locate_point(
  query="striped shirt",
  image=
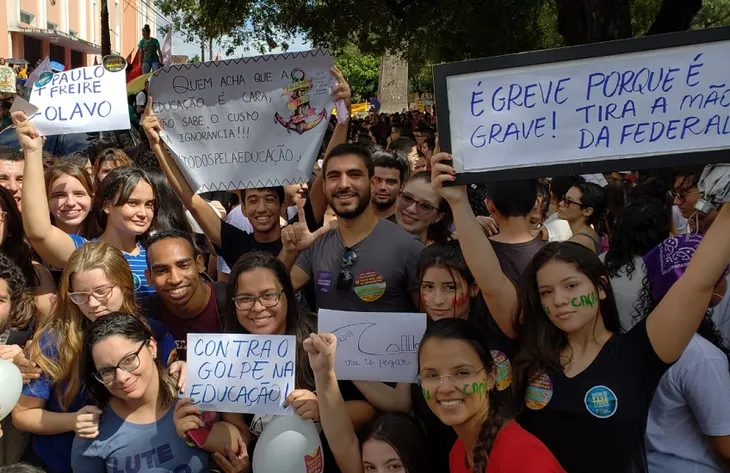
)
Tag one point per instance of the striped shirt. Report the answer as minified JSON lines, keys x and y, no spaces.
{"x":137,"y":263}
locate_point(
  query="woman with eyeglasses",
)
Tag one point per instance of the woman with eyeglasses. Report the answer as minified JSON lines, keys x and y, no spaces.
{"x":457,"y":376}
{"x":124,"y":206}
{"x":265,"y":304}
{"x":127,"y":381}
{"x":95,"y":283}
{"x":421,"y":211}
{"x":583,"y":209}
{"x":580,"y":377}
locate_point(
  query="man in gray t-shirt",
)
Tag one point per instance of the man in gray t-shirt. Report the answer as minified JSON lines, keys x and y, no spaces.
{"x":367,"y":264}
{"x":383,"y":276}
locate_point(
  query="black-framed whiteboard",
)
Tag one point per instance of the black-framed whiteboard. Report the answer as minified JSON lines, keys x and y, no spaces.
{"x":655,"y":101}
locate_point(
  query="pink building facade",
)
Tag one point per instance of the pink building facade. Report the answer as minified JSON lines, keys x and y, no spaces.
{"x":69,"y":31}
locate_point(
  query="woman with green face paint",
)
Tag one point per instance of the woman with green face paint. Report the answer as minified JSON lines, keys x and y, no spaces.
{"x":581,"y":378}
{"x":457,"y":377}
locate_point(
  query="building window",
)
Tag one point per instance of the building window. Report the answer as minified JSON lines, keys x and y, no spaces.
{"x":27,"y":18}
{"x":51,"y":26}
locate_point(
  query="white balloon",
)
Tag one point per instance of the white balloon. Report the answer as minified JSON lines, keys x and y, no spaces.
{"x":288,"y":444}
{"x":12,"y":384}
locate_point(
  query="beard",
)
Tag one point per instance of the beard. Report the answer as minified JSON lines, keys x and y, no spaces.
{"x":383,"y":206}
{"x":348,"y":214}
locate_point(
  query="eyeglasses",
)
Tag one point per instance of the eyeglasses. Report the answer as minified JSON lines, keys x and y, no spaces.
{"x":405,"y":200}
{"x":128,"y":364}
{"x":682,"y":195}
{"x":569,"y":202}
{"x":345,"y":279}
{"x":269,"y":299}
{"x":434,"y":380}
{"x":101,"y":294}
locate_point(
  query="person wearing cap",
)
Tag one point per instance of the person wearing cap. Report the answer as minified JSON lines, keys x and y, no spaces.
{"x":149,"y":60}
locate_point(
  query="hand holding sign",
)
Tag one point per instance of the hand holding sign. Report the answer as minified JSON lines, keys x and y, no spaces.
{"x":342,"y":92}
{"x":297,"y":237}
{"x":186,"y":417}
{"x":235,"y":462}
{"x":442,"y":171}
{"x":28,"y":137}
{"x":321,"y":349}
{"x":151,"y":125}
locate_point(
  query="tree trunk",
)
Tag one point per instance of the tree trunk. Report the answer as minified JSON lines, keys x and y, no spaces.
{"x":675,"y":15}
{"x":592,"y":21}
{"x":106,"y":42}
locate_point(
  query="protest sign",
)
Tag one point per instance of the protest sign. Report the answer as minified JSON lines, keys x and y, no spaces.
{"x":241,"y":373}
{"x":375,"y":346}
{"x":7,"y":80}
{"x":608,"y":105}
{"x":79,"y":100}
{"x":245,"y":123}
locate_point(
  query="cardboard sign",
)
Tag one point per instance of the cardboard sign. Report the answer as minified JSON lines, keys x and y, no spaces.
{"x":79,"y":100}
{"x":375,"y":346}
{"x":241,"y":373}
{"x":612,"y":102}
{"x":245,"y":123}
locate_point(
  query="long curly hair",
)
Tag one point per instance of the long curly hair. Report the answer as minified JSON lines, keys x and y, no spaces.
{"x":66,"y":324}
{"x":541,"y":341}
{"x":498,"y":413}
{"x":15,"y":244}
{"x":22,"y":302}
{"x":642,"y":227}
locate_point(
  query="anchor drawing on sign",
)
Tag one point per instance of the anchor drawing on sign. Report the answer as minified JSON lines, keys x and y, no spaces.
{"x":302,"y":116}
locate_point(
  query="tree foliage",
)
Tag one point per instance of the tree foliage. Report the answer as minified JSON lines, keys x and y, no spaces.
{"x":361,"y":70}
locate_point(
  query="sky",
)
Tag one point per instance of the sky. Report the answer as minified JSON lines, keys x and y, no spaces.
{"x":299,"y":43}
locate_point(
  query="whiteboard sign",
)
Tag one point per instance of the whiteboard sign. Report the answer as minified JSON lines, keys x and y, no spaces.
{"x":375,"y":346}
{"x":241,"y":373}
{"x":85,"y":99}
{"x":586,"y":110}
{"x":245,"y":123}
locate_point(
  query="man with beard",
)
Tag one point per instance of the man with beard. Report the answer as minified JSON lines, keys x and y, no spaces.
{"x":390,"y":175}
{"x":366,"y":264}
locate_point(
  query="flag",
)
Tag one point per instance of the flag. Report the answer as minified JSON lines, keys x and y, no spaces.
{"x":136,"y":69}
{"x":167,"y":48}
{"x":44,"y":66}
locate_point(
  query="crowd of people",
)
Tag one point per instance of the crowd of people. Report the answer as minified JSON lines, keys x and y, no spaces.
{"x":572,"y":326}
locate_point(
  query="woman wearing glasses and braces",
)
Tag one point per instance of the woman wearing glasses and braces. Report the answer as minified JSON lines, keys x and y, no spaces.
{"x":96,"y":282}
{"x":422,"y":212}
{"x":125,"y":378}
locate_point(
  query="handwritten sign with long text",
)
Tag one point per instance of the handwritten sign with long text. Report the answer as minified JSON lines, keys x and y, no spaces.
{"x":80,"y":100}
{"x":656,"y":102}
{"x":245,"y":123}
{"x":375,"y":346}
{"x":241,"y":373}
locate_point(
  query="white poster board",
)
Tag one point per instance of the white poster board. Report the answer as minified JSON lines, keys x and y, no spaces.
{"x":656,"y":102}
{"x":241,"y":373}
{"x":245,"y":123}
{"x":85,"y":99}
{"x":375,"y":346}
{"x":7,"y":80}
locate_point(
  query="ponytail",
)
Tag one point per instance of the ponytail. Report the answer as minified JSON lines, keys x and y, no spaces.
{"x":490,"y":429}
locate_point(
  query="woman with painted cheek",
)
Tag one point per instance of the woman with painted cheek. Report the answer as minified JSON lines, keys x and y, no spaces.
{"x":69,"y":191}
{"x":95,"y":283}
{"x":689,"y":424}
{"x":421,"y":211}
{"x":124,"y":207}
{"x":392,"y":443}
{"x":583,"y":208}
{"x":457,"y":378}
{"x":136,"y":398}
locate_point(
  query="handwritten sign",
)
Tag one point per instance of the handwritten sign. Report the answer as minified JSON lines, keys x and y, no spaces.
{"x":81,"y":100}
{"x":7,"y":80}
{"x":245,"y":123}
{"x":241,"y":373}
{"x":375,"y":346}
{"x":652,"y":102}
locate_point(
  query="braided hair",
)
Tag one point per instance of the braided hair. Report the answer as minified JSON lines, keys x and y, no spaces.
{"x":498,"y":413}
